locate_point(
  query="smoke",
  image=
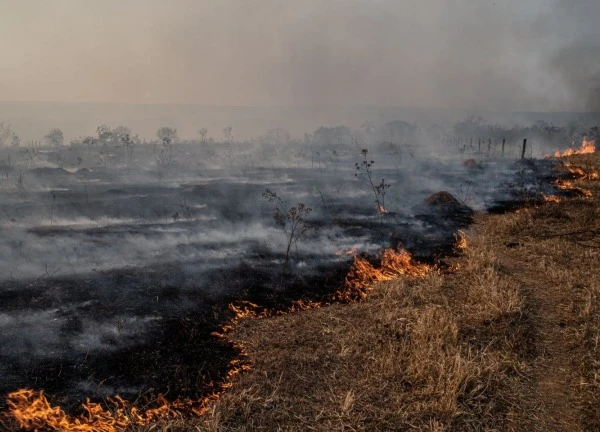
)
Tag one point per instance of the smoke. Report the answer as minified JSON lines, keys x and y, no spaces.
{"x":503,"y":56}
{"x":577,"y":58}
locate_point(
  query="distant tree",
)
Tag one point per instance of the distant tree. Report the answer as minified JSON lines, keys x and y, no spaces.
{"x":359,"y":137}
{"x":167,"y":135}
{"x":123,"y":137}
{"x":203,"y":134}
{"x":89,"y":141}
{"x":129,"y":143}
{"x":120,"y":132}
{"x":6,"y":133}
{"x":54,"y":138}
{"x":105,"y":134}
{"x":228,"y":132}
{"x":15,"y":140}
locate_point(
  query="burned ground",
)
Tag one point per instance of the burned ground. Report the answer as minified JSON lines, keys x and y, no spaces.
{"x":133,"y":309}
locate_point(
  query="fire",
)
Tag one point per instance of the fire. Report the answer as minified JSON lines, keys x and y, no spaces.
{"x":563,"y":184}
{"x":362,"y":275}
{"x":31,"y":410}
{"x":461,"y":242}
{"x":579,"y":172}
{"x":357,"y":284}
{"x":587,"y":146}
{"x":551,"y":199}
{"x":381,"y":209}
{"x":568,"y":185}
{"x":574,"y":170}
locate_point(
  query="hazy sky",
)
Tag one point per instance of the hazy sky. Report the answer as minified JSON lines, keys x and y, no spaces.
{"x":499,"y":55}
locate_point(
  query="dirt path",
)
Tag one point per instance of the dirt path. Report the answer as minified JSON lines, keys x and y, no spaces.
{"x":549,"y":403}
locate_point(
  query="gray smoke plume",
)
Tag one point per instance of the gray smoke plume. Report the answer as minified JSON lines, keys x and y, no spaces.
{"x":435,"y":53}
{"x":577,"y":58}
{"x":462,"y":56}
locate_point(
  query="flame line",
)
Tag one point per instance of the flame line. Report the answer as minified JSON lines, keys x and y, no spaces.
{"x":32,"y":411}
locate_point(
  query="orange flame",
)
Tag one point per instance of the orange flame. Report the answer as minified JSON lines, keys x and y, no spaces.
{"x":563,"y":184}
{"x":587,"y":146}
{"x":381,"y":209}
{"x":551,"y":199}
{"x":362,"y":275}
{"x":32,"y":411}
{"x":579,"y":172}
{"x":461,"y":242}
{"x":568,"y":185}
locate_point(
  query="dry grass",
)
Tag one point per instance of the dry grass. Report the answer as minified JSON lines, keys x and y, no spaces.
{"x":509,"y":341}
{"x":399,"y":360}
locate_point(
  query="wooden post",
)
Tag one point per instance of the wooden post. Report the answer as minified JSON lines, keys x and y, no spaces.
{"x":524,"y":148}
{"x":489,"y":146}
{"x":503,"y":141}
{"x":479,"y":146}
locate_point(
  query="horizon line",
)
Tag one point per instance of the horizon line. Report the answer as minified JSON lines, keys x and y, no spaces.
{"x":339,"y":106}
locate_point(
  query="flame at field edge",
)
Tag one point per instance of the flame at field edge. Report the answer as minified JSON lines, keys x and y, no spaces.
{"x":461,"y":243}
{"x":32,"y":411}
{"x":587,"y":147}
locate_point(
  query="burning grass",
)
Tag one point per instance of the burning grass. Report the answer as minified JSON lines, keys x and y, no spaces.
{"x":587,"y":147}
{"x":461,"y":244}
{"x":363,"y":275}
{"x":399,"y":359}
{"x":506,"y":341}
{"x":31,"y":410}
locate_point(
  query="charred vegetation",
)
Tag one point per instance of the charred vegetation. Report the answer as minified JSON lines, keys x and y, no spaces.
{"x":136,"y":257}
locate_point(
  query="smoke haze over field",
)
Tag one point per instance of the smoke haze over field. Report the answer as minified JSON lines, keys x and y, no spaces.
{"x":577,"y":59}
{"x":503,"y":55}
{"x":123,"y":247}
